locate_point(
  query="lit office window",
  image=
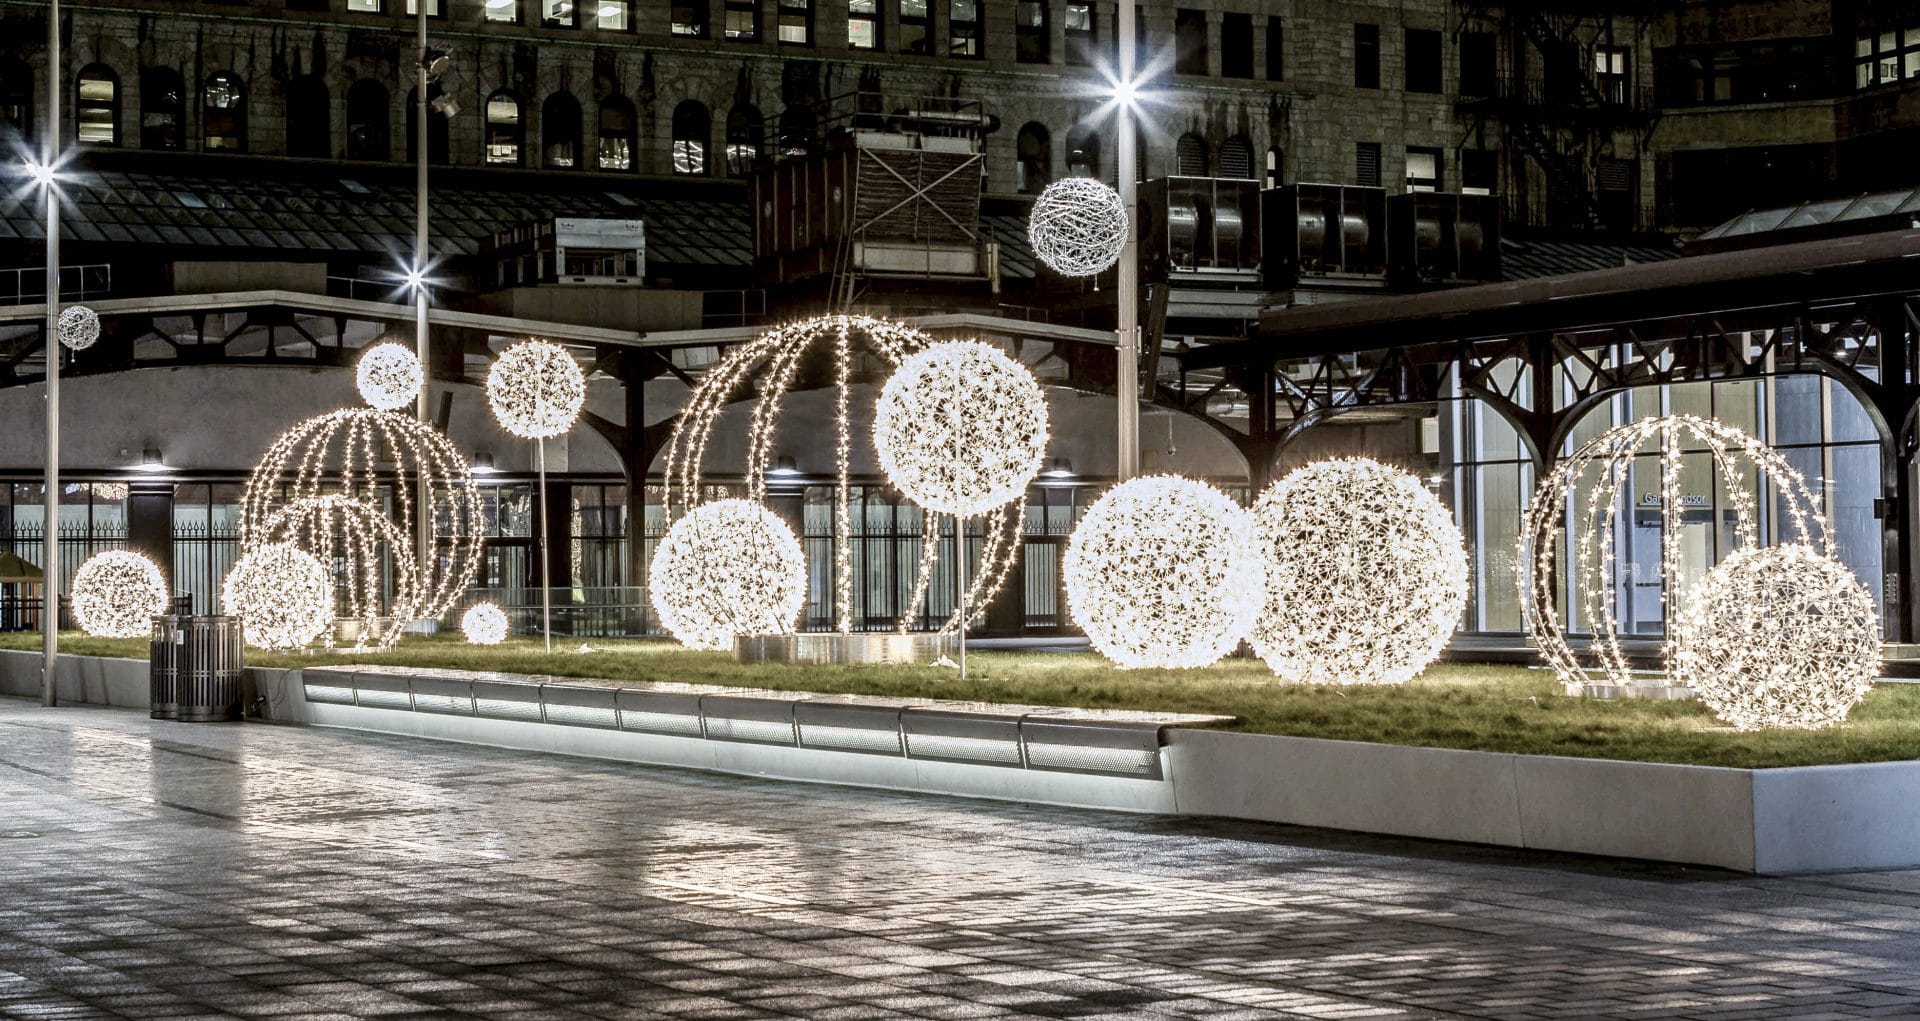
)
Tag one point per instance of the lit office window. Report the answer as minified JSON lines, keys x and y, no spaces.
{"x":98,"y":109}
{"x":507,"y":11}
{"x":366,"y":6}
{"x":434,"y":8}
{"x":863,"y":24}
{"x":963,"y":28}
{"x":557,"y":13}
{"x":1080,"y":34}
{"x":614,"y":15}
{"x":688,"y":19}
{"x":796,"y":22}
{"x":743,"y":21}
{"x":504,"y":130}
{"x":915,"y":30}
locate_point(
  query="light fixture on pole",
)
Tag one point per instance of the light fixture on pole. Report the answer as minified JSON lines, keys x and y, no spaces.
{"x":432,"y":64}
{"x":536,"y":391}
{"x":1127,"y":288}
{"x":50,"y":522}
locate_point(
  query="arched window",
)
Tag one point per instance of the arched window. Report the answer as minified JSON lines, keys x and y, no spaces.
{"x":1190,"y":156}
{"x":1276,"y":168}
{"x":560,"y":131}
{"x":505,"y":133}
{"x":692,"y":133}
{"x":16,"y":102}
{"x":1083,"y":152}
{"x":436,"y":126}
{"x":746,"y":132}
{"x":224,"y":115}
{"x":309,"y":118}
{"x":1034,"y":152}
{"x":163,"y":108}
{"x":97,"y":105}
{"x":616,"y":133}
{"x":369,"y":121}
{"x":797,"y":125}
{"x":1236,"y":158}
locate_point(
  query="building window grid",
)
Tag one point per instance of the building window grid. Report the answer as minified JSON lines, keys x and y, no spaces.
{"x":1366,"y":56}
{"x":97,"y":105}
{"x":863,"y":24}
{"x":743,"y":21}
{"x":1886,"y":56}
{"x":795,"y":22}
{"x":1082,"y":33}
{"x":688,"y":19}
{"x":505,"y":12}
{"x":1032,"y":32}
{"x":963,"y":29}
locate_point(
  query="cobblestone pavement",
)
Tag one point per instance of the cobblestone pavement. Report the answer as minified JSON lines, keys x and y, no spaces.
{"x":152,"y":870}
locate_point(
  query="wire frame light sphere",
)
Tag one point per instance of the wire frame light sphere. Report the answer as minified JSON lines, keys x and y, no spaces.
{"x":78,"y":327}
{"x":371,"y":561}
{"x":1078,"y":226}
{"x":1366,"y":574}
{"x":1162,"y":571}
{"x":484,"y":624}
{"x":1778,"y":636}
{"x":536,"y":389}
{"x":281,"y":594}
{"x":116,"y":594}
{"x":961,"y":428}
{"x":389,"y":376}
{"x":731,"y":567}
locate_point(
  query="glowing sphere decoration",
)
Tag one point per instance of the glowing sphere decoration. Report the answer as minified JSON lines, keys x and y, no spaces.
{"x":961,"y":428}
{"x":78,"y":327}
{"x":282,"y":595}
{"x":1162,"y":571}
{"x":389,"y":376}
{"x":1366,"y":574}
{"x":730,"y":567}
{"x":376,"y":574}
{"x":1078,"y":226}
{"x":1779,"y":636}
{"x":484,"y":624}
{"x":536,"y":389}
{"x":117,"y":594}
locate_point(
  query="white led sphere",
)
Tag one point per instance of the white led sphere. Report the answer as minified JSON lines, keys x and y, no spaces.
{"x":389,"y":376}
{"x":730,"y":567}
{"x":1778,"y":636}
{"x":1078,"y":226}
{"x":536,"y":389}
{"x":282,"y":595}
{"x":484,"y":624}
{"x":1366,"y":574}
{"x":1163,"y":572}
{"x":961,"y":428}
{"x":117,"y":594}
{"x":78,"y":327}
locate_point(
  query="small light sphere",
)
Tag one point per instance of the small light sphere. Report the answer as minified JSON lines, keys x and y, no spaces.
{"x":1078,"y":226}
{"x":1366,"y":574}
{"x":484,"y":624}
{"x":536,"y":389}
{"x":1162,"y":571}
{"x":389,"y":376}
{"x":730,"y":567}
{"x":117,"y":594}
{"x":282,"y":595}
{"x":1778,"y":636}
{"x":961,"y":428}
{"x":79,"y":327}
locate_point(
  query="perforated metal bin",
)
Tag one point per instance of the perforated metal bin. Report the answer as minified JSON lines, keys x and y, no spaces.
{"x":164,"y":656}
{"x":211,"y":662}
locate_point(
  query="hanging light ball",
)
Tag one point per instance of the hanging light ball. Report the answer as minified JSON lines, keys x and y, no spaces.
{"x":1078,"y":226}
{"x":1366,"y":574}
{"x":389,"y":376}
{"x":78,"y":327}
{"x":1778,"y":636}
{"x":282,"y":595}
{"x":484,"y":624}
{"x":536,"y":389}
{"x":961,"y":428}
{"x":117,"y":594}
{"x":1162,"y":572}
{"x":730,"y":567}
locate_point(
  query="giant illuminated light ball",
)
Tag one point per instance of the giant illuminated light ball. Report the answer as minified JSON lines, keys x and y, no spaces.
{"x":730,"y":567}
{"x":1366,"y":574}
{"x":282,"y":595}
{"x":1778,"y":636}
{"x":1163,"y":572}
{"x":1078,"y":226}
{"x":961,"y":428}
{"x":389,"y":376}
{"x":117,"y":594}
{"x":484,"y":624}
{"x":536,"y":389}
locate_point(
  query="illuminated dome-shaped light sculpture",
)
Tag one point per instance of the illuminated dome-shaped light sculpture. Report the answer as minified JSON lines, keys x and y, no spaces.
{"x":1586,"y":495}
{"x":536,"y":390}
{"x":728,"y":568}
{"x":1778,"y":636}
{"x":1366,"y":574}
{"x":376,"y":575}
{"x":1078,"y":226}
{"x":368,"y":456}
{"x":484,"y":624}
{"x":388,"y":376}
{"x":765,"y":367}
{"x":1163,"y":571}
{"x":116,"y":594}
{"x":281,"y":594}
{"x":78,"y":327}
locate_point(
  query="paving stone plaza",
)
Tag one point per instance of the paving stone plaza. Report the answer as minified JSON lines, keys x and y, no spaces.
{"x":164,"y":870}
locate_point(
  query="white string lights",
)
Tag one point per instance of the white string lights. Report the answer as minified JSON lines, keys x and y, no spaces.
{"x":116,"y":594}
{"x":1162,"y":571}
{"x":1078,"y":226}
{"x":377,"y":578}
{"x":1781,"y":636}
{"x":281,"y":594}
{"x":484,"y":624}
{"x":730,"y":567}
{"x":78,"y":327}
{"x":1366,"y":574}
{"x":536,"y":389}
{"x":961,"y":428}
{"x":389,"y":376}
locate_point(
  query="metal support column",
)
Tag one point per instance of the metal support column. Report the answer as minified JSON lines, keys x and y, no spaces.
{"x":50,"y":523}
{"x":423,"y":525}
{"x":1127,"y":292}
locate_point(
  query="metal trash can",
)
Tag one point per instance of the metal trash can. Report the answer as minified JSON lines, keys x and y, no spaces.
{"x":211,"y":663}
{"x":169,"y":643}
